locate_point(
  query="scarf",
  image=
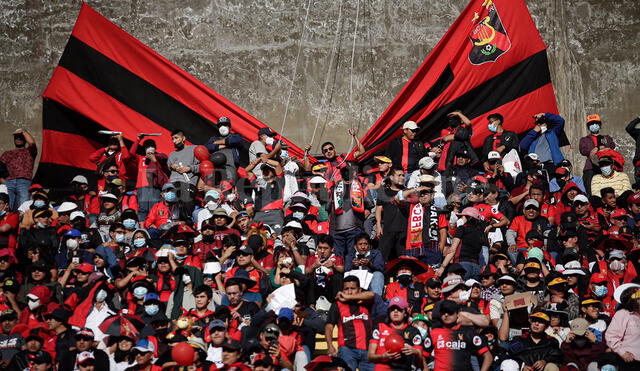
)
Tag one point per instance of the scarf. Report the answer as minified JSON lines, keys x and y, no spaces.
{"x":356,"y":196}
{"x":415,"y":246}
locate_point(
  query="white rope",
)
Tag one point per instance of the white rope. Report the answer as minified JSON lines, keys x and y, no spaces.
{"x":295,"y":69}
{"x":326,"y":81}
{"x":353,"y":55}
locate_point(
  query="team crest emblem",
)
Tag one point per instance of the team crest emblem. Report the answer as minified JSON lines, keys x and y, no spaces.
{"x":477,"y":341}
{"x":488,"y":37}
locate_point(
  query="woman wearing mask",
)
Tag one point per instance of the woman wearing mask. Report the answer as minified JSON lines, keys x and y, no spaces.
{"x":140,"y":247}
{"x":40,"y":201}
{"x":283,"y":267}
{"x":623,"y":334}
{"x":591,"y":144}
{"x":129,"y":219}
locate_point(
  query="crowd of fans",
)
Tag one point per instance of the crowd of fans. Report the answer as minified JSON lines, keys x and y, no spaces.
{"x":430,"y":256}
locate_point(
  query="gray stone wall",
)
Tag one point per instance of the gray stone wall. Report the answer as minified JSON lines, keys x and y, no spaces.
{"x":246,"y":50}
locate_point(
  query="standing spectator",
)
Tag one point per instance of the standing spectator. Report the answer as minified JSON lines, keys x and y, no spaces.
{"x":544,"y":139}
{"x":8,"y":225}
{"x":229,"y":144}
{"x":428,"y":167}
{"x":591,"y":144}
{"x":19,"y":162}
{"x":405,"y":151}
{"x":351,"y":207}
{"x":258,"y":148}
{"x":391,"y":220}
{"x":456,"y":139}
{"x":151,"y":174}
{"x":184,"y":169}
{"x":333,"y":159}
{"x":633,"y":128}
{"x":500,"y":140}
{"x":467,"y":244}
{"x":114,"y":154}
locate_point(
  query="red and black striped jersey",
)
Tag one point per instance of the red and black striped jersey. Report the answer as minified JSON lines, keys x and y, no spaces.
{"x":354,"y":324}
{"x":411,"y":336}
{"x":452,"y":348}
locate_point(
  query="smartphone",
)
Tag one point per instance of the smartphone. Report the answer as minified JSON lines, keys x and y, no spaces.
{"x":75,"y":260}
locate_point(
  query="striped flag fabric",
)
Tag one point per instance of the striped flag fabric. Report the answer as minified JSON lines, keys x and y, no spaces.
{"x":108,"y":80}
{"x":491,"y":60}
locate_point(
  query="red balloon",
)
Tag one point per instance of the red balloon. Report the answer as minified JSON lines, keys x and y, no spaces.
{"x":394,"y":343}
{"x":183,"y":354}
{"x":201,"y":153}
{"x":206,"y":168}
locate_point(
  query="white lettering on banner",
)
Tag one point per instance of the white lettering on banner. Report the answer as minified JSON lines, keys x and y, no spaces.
{"x":416,"y":217}
{"x":362,"y":316}
{"x":441,"y":344}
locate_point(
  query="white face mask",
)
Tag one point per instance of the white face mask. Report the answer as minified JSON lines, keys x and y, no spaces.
{"x":269,"y":141}
{"x":101,"y":296}
{"x":34,"y":304}
{"x":543,"y":129}
{"x":231,"y":197}
{"x":223,"y":130}
{"x":150,"y":150}
{"x":211,"y":205}
{"x":186,"y":279}
{"x":72,"y":243}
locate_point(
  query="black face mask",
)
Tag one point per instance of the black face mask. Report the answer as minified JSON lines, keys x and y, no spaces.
{"x":208,"y":238}
{"x":405,"y":279}
{"x":77,"y":190}
{"x":580,"y":341}
{"x":179,"y":146}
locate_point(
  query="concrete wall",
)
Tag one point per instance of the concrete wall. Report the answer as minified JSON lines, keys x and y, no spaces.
{"x":246,"y":50}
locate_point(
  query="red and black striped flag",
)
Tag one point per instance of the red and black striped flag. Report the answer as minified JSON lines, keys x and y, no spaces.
{"x":492,"y":60}
{"x":108,"y":80}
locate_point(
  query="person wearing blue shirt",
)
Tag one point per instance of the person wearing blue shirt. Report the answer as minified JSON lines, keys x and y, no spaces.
{"x":544,"y":139}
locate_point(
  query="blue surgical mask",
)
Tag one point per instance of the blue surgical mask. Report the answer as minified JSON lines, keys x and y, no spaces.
{"x":139,"y":242}
{"x":284,"y":154}
{"x":151,"y":309}
{"x":492,"y":128}
{"x":119,"y":237}
{"x":129,"y":223}
{"x":40,"y":225}
{"x":140,"y":292}
{"x":3,"y":212}
{"x":608,"y":368}
{"x":170,"y":196}
{"x":423,"y":332}
{"x":38,"y":203}
{"x":601,"y":291}
{"x":606,"y":170}
{"x":298,"y":215}
{"x":594,"y":128}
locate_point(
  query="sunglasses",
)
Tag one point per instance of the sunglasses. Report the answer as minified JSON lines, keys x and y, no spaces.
{"x":447,"y":312}
{"x":112,"y":171}
{"x":424,"y":193}
{"x":531,"y":208}
{"x":325,"y":150}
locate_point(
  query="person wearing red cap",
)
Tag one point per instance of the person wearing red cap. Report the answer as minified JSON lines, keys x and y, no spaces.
{"x":77,"y":287}
{"x":591,"y":144}
{"x":397,"y":323}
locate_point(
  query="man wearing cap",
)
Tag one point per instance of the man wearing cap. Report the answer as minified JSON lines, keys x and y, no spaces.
{"x":63,"y":337}
{"x":499,"y":140}
{"x":609,"y":177}
{"x":258,"y":148}
{"x":508,"y":286}
{"x":460,"y":173}
{"x":220,"y":222}
{"x":215,"y":336}
{"x":455,"y":140}
{"x":40,"y":201}
{"x":144,"y":351}
{"x":10,"y":341}
{"x":454,"y":289}
{"x":405,"y":151}
{"x":163,"y":214}
{"x":374,"y":178}
{"x":453,"y":345}
{"x":535,"y":350}
{"x":268,"y":197}
{"x":427,"y":166}
{"x":19,"y":162}
{"x":532,"y":282}
{"x":591,"y":144}
{"x":227,"y":143}
{"x":232,"y":357}
{"x":42,"y":234}
{"x":85,"y":343}
{"x":114,"y":154}
{"x":596,"y":322}
{"x":531,"y":219}
{"x":564,"y":175}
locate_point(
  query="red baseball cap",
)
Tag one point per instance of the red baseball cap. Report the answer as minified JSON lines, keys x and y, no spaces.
{"x":633,"y":198}
{"x":598,"y":278}
{"x":85,"y":268}
{"x":618,"y":213}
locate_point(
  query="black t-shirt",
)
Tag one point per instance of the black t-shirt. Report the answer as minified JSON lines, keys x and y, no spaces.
{"x":394,"y":217}
{"x":437,"y":322}
{"x":471,"y":242}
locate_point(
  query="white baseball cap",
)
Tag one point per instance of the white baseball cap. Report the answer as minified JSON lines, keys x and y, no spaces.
{"x":67,"y":206}
{"x":426,"y":163}
{"x":80,"y":179}
{"x":410,"y":125}
{"x":493,"y":155}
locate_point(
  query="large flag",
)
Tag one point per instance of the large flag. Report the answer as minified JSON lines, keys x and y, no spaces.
{"x":108,"y":80}
{"x":492,"y":59}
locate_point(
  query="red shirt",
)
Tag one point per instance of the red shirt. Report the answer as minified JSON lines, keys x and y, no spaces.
{"x":20,"y":161}
{"x":121,"y":159}
{"x":337,"y":261}
{"x":487,"y":213}
{"x":8,"y":239}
